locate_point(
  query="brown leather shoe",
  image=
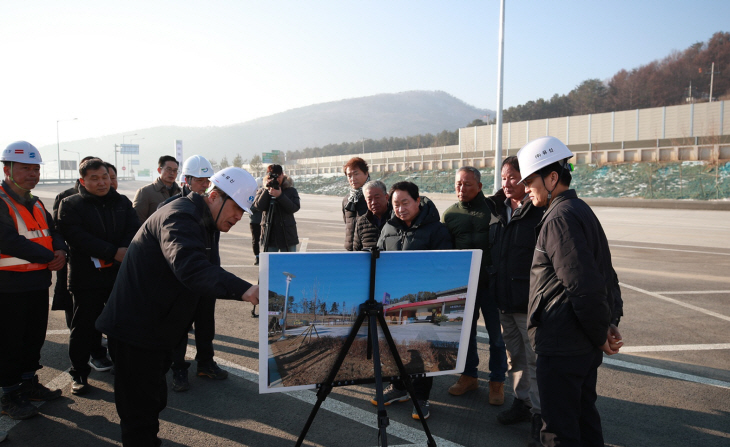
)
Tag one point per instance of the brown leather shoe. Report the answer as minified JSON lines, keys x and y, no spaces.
{"x":464,"y":384}
{"x":496,"y":393}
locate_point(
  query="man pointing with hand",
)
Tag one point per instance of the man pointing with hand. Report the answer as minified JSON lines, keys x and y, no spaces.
{"x":170,"y":263}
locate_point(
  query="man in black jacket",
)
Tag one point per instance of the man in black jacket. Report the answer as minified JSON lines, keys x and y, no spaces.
{"x":61,"y":296}
{"x":282,"y":231}
{"x":98,"y":224}
{"x":575,"y":302}
{"x":369,"y":225}
{"x":353,"y":206}
{"x":168,"y":267}
{"x":512,"y":245}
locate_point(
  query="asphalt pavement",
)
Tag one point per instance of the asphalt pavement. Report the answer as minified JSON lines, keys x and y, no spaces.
{"x":669,"y":386}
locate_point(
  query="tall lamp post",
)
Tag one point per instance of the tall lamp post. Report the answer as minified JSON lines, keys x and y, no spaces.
{"x":289,"y":277}
{"x":58,"y":146}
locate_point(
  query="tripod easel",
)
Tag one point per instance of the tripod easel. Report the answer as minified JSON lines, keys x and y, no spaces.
{"x":374,"y":312}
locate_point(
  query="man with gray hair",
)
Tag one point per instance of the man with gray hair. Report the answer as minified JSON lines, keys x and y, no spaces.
{"x":468,"y":223}
{"x":368,"y":226}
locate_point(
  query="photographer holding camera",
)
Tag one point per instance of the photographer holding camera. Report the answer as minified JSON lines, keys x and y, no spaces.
{"x":278,"y":200}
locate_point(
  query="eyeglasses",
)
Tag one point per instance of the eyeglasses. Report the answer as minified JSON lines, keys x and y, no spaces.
{"x":174,"y":171}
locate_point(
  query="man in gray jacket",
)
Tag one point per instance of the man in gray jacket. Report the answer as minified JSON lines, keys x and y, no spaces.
{"x":149,"y":197}
{"x":575,"y":302}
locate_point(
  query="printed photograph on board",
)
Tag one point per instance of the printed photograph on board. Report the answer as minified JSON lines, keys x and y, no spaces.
{"x":310,"y":302}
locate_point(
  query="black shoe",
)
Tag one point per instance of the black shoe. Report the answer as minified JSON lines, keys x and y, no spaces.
{"x":391,"y":395}
{"x":519,"y":412}
{"x":35,"y":391}
{"x":80,"y":386}
{"x":17,"y":406}
{"x":101,"y":364}
{"x":212,"y":370}
{"x":534,"y":439}
{"x":256,"y":262}
{"x":180,"y":380}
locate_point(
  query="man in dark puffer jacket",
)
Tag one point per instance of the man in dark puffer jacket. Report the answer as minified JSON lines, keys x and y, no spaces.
{"x":354,"y":206}
{"x":512,"y":245}
{"x":369,"y":225}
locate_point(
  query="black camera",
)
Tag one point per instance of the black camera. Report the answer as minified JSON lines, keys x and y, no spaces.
{"x":273,"y":180}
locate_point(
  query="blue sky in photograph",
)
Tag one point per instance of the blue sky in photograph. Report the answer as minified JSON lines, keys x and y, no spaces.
{"x":346,"y":276}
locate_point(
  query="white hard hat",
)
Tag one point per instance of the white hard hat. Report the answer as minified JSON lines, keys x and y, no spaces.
{"x":539,"y":153}
{"x":238,"y":184}
{"x":22,"y":152}
{"x":197,"y":166}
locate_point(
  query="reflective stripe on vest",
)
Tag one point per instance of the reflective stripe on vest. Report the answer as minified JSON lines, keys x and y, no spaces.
{"x":33,"y":227}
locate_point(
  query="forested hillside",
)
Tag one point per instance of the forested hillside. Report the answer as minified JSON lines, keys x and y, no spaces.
{"x":659,"y":83}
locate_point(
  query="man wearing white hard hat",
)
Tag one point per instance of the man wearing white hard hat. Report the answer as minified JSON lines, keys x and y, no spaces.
{"x":169,"y":265}
{"x":30,"y":248}
{"x":196,"y":174}
{"x":575,"y":301}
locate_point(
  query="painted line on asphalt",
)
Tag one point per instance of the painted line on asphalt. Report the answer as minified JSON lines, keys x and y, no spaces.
{"x":358,"y":415}
{"x":675,"y":275}
{"x":673,"y":348}
{"x":671,"y":249}
{"x":695,"y":292}
{"x":677,"y":302}
{"x":667,"y":373}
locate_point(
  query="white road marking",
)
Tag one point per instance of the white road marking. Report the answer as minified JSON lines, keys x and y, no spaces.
{"x":666,"y":373}
{"x":303,"y":244}
{"x":675,"y":275}
{"x":58,"y":332}
{"x":671,"y":249}
{"x":367,"y":418}
{"x":672,"y":348}
{"x":677,"y":302}
{"x":695,"y":292}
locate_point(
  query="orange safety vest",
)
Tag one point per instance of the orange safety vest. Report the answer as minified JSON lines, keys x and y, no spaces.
{"x":33,"y":226}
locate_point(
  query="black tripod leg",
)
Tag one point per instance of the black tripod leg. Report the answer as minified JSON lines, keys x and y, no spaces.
{"x":327,"y":387}
{"x":406,"y":378}
{"x":383,"y":420}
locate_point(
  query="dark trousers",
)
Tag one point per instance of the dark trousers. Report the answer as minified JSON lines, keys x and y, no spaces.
{"x":140,"y":391}
{"x":567,"y":386}
{"x":255,"y":236}
{"x":497,"y":350}
{"x":204,"y":332}
{"x":85,"y":340}
{"x":23,"y":324}
{"x":421,"y":387}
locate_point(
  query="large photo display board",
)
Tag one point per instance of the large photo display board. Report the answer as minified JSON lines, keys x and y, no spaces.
{"x":428,"y":304}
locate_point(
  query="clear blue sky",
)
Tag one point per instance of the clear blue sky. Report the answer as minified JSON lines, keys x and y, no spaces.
{"x":121,"y":66}
{"x":346,"y":276}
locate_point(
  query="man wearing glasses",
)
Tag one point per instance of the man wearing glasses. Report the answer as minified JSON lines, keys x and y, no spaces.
{"x":150,"y":196}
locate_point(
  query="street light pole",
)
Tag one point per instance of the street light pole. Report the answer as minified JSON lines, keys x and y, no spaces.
{"x":289,"y":277}
{"x":58,"y":147}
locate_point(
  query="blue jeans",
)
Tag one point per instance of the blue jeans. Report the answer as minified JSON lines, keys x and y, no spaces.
{"x":497,"y":350}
